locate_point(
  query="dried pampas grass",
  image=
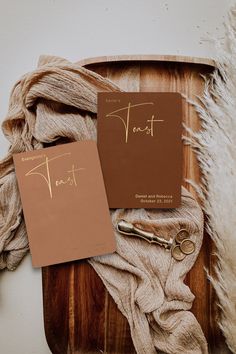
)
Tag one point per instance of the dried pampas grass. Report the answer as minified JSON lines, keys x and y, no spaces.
{"x":215,"y":146}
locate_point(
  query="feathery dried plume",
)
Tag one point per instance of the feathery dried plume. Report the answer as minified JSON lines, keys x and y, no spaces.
{"x":215,"y":146}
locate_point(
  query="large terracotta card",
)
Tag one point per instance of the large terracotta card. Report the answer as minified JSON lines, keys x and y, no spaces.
{"x":64,"y":203}
{"x":140,"y":148}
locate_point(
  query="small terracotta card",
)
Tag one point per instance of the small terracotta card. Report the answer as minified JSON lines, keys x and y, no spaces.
{"x":64,"y":203}
{"x":140,"y":148}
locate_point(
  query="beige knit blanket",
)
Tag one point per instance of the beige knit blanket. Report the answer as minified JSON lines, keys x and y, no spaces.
{"x":57,"y":103}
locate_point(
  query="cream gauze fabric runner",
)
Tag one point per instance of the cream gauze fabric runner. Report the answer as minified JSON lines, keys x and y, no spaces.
{"x":57,"y":103}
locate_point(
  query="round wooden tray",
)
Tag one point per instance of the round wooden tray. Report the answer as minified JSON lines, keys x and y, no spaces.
{"x":79,"y":314}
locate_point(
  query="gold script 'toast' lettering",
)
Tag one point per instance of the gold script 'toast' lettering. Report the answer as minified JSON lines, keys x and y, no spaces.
{"x":149,"y":128}
{"x":71,"y":180}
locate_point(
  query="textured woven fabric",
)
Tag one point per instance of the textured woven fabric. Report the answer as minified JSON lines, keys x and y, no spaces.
{"x":57,"y":103}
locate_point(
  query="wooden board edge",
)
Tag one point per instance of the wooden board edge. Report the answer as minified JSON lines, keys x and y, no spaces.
{"x":149,"y":57}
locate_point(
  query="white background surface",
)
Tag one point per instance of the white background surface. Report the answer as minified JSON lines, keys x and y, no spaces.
{"x":76,"y":29}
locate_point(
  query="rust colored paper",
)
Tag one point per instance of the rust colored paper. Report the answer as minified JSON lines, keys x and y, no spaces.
{"x":64,"y":203}
{"x":140,"y":148}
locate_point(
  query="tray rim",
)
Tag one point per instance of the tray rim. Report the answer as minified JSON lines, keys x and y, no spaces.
{"x":147,"y":57}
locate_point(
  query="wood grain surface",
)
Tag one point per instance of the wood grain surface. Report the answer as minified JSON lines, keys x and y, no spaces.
{"x":79,"y":314}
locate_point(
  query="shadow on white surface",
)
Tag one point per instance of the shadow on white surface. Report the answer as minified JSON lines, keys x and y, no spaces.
{"x":21,"y":315}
